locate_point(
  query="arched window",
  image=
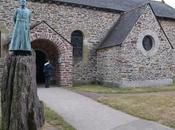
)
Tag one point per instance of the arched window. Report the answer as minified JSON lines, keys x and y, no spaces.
{"x":77,"y":43}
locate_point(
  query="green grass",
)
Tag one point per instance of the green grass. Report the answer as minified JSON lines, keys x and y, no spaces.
{"x":113,"y":90}
{"x":55,"y":120}
{"x":159,"y":108}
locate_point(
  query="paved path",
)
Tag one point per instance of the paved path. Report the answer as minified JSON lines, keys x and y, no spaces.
{"x":84,"y":113}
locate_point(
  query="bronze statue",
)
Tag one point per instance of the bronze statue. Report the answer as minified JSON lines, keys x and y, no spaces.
{"x":20,"y":43}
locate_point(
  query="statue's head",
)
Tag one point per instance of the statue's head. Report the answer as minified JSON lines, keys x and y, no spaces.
{"x":23,"y":2}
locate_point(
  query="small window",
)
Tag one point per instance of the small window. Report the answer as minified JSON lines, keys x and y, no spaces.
{"x":77,"y":43}
{"x":148,"y":43}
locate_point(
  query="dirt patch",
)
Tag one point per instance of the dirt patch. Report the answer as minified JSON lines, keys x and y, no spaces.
{"x":50,"y":127}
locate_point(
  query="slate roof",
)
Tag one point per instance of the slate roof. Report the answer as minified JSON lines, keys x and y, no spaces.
{"x":121,"y":5}
{"x":122,"y":28}
{"x":160,"y":9}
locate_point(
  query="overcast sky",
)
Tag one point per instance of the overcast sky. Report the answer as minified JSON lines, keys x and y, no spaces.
{"x":170,"y":2}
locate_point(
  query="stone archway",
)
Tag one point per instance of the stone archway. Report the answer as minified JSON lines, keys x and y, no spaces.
{"x":46,"y":50}
{"x":46,"y":39}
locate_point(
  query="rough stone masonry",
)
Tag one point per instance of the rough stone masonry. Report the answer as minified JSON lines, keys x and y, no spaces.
{"x":116,"y":65}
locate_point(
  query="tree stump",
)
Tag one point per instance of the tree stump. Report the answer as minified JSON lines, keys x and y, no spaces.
{"x":21,"y":108}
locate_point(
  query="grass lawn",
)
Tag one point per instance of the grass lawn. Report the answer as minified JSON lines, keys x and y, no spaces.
{"x":113,"y":90}
{"x":140,"y":102}
{"x":159,"y":108}
{"x":53,"y":120}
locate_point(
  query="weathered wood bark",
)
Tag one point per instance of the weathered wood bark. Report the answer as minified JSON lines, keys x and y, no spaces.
{"x":21,"y":108}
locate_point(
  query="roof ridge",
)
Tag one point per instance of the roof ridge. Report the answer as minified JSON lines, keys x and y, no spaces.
{"x":141,"y":6}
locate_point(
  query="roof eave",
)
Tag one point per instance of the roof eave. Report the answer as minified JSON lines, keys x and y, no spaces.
{"x":106,"y":47}
{"x":85,"y":6}
{"x":165,"y":18}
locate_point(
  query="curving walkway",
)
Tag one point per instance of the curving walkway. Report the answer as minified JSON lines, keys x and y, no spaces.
{"x":84,"y":113}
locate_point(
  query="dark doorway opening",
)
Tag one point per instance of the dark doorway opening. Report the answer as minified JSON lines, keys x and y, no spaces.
{"x":40,"y":60}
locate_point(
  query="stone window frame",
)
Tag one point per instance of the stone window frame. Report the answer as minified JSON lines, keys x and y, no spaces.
{"x":149,"y":40}
{"x":155,"y":46}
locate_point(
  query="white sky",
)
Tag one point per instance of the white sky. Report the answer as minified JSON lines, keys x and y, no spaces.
{"x":170,"y":2}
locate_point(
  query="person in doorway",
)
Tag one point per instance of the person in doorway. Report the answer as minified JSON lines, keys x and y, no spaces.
{"x":48,"y":72}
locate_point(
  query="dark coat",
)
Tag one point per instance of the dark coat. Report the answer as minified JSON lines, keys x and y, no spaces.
{"x":48,"y":70}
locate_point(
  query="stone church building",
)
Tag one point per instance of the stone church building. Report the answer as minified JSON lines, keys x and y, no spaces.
{"x":126,"y":43}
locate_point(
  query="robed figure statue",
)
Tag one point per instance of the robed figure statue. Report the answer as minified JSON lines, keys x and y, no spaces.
{"x":20,"y":43}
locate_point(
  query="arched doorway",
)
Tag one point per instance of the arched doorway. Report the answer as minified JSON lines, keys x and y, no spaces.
{"x":57,"y":48}
{"x":45,"y":50}
{"x":40,"y":60}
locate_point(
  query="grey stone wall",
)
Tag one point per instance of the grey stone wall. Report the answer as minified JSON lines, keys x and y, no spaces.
{"x":131,"y":65}
{"x":109,"y":65}
{"x":66,"y":19}
{"x":169,"y":28}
